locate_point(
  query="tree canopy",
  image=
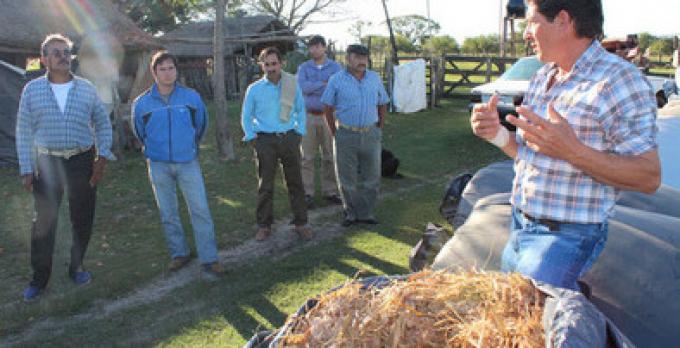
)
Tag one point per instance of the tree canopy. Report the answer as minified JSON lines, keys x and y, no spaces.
{"x":415,"y":28}
{"x":157,"y":16}
{"x":295,"y":14}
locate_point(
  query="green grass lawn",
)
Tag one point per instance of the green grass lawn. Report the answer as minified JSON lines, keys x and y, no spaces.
{"x":128,"y":251}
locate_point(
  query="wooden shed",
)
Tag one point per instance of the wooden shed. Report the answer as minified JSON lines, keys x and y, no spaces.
{"x":112,"y":51}
{"x":24,"y":25}
{"x":245,"y":37}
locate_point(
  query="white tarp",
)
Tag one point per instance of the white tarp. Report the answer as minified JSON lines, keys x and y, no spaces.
{"x":409,"y":87}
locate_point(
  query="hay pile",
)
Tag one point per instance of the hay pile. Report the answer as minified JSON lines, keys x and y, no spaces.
{"x":428,"y":309}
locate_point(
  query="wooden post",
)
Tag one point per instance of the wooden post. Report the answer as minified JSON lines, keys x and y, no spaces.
{"x":225,"y":143}
{"x":368,"y":44}
{"x":390,"y":81}
{"x":393,"y":41}
{"x":441,"y":78}
{"x":434,"y":84}
{"x":488,"y":69}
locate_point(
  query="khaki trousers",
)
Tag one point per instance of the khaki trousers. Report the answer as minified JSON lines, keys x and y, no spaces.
{"x":318,"y":137}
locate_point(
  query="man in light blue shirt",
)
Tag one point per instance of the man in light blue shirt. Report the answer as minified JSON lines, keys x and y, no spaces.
{"x":313,"y":76}
{"x":360,"y":100}
{"x":273,"y":118}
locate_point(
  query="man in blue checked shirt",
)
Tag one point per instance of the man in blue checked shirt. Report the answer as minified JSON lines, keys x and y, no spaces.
{"x":358,"y":97}
{"x":587,"y":131}
{"x":273,"y":119}
{"x":170,"y":120}
{"x":63,"y":138}
{"x":313,"y":76}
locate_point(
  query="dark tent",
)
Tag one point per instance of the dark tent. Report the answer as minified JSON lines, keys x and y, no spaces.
{"x":11,"y":82}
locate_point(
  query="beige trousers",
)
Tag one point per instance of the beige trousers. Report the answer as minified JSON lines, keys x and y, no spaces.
{"x":318,"y":137}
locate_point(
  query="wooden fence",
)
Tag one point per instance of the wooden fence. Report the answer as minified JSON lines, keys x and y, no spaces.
{"x":452,"y":76}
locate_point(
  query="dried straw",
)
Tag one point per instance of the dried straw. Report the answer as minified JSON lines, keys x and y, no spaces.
{"x":428,"y":309}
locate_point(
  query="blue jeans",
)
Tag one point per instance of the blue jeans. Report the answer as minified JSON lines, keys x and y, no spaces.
{"x":357,"y":163}
{"x":555,"y":257}
{"x":164,"y":180}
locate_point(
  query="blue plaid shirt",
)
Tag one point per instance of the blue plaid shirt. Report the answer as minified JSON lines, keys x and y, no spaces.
{"x":356,"y":101}
{"x":611,"y":107}
{"x":40,"y":122}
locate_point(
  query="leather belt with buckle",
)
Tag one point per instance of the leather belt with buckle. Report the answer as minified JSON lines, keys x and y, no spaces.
{"x":357,"y":129}
{"x":552,"y":225}
{"x":275,"y":134}
{"x":66,"y":154}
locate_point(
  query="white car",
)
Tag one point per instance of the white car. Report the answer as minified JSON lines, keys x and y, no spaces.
{"x":510,"y":86}
{"x":513,"y":84}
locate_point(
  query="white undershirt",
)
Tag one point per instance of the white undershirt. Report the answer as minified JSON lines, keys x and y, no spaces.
{"x":60,"y":91}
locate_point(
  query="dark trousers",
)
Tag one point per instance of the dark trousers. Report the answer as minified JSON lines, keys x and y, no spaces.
{"x":270,"y":148}
{"x":53,"y":173}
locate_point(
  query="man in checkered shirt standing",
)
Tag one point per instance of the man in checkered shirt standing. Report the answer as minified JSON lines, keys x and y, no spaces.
{"x":63,"y":138}
{"x":587,"y":130}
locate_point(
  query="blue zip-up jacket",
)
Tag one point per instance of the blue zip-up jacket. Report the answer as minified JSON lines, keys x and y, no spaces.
{"x":170,"y":131}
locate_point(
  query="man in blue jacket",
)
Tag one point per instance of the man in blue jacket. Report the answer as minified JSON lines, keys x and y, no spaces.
{"x":170,"y":120}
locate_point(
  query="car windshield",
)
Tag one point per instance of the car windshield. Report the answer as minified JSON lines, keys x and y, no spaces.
{"x":522,"y":70}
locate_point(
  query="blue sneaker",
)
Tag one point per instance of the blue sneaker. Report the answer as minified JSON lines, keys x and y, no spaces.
{"x":31,"y":293}
{"x":82,"y":277}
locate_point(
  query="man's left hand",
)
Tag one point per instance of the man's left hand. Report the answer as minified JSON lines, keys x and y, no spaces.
{"x":97,"y":170}
{"x":553,"y":137}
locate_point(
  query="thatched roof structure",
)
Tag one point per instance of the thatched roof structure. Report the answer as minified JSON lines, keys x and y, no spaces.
{"x":25,"y":23}
{"x":250,"y":27}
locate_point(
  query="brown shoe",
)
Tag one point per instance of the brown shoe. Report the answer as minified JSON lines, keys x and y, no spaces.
{"x":263,"y":233}
{"x":178,"y":262}
{"x":212,"y":271}
{"x":304,"y":232}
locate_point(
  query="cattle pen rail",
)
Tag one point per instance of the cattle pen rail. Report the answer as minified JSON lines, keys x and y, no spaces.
{"x":452,"y":76}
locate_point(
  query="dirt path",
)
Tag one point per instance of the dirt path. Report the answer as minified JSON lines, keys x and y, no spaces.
{"x":325,"y":222}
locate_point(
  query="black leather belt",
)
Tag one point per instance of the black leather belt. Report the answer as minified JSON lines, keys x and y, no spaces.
{"x":552,"y":225}
{"x":276,"y":134}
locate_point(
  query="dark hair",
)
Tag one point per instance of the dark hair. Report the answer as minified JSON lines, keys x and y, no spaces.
{"x":316,"y":40}
{"x":357,"y":49}
{"x":54,"y":38}
{"x":269,"y":51}
{"x":587,"y":14}
{"x":160,"y":57}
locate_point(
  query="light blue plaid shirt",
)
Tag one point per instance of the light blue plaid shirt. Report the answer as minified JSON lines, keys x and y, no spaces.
{"x":611,"y":107}
{"x":40,"y":122}
{"x":356,"y":101}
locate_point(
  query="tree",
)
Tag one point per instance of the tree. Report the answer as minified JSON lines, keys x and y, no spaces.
{"x":645,"y":40}
{"x":157,"y":16}
{"x":440,"y":45}
{"x":357,"y":29}
{"x":404,"y":44}
{"x":225,"y":142}
{"x":482,"y":44}
{"x":295,"y":14}
{"x":415,"y":27}
{"x":662,"y":46}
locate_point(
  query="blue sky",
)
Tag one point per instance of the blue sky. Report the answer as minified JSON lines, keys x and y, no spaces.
{"x":464,"y":18}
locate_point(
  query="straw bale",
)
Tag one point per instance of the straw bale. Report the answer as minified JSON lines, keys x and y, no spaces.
{"x":426,"y":309}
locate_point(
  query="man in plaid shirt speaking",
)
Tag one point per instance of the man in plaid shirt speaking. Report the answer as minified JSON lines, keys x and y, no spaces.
{"x":587,"y":130}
